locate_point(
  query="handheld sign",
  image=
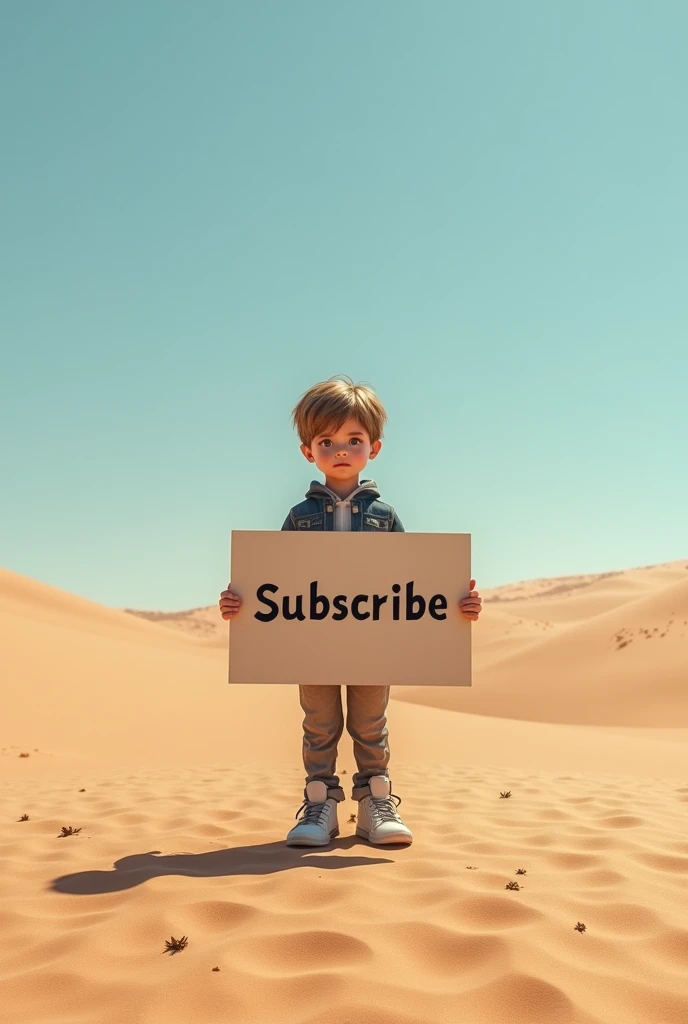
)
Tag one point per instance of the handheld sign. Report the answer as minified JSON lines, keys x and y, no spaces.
{"x":357,"y":608}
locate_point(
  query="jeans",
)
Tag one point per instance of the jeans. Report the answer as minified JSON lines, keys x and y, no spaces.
{"x":323,"y":724}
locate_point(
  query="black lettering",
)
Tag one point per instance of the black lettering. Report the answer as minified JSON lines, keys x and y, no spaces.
{"x":298,"y":613}
{"x":320,"y":605}
{"x":411,"y":599}
{"x":274,"y":608}
{"x":316,"y":599}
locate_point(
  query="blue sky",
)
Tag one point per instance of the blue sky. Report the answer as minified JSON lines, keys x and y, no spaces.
{"x":480,"y":209}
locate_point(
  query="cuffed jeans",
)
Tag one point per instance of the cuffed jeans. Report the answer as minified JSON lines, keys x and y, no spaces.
{"x":323,"y":724}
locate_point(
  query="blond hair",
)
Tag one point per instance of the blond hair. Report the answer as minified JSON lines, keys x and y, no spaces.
{"x":327,"y":405}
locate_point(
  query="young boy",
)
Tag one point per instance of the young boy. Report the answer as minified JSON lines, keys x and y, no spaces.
{"x":340,"y":425}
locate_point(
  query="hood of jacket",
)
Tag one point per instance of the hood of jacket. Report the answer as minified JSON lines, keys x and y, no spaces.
{"x":319,"y":490}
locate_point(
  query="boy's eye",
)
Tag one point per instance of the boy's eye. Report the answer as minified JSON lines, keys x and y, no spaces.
{"x":326,"y":442}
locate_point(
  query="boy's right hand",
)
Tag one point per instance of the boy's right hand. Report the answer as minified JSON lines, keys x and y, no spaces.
{"x":229,"y":603}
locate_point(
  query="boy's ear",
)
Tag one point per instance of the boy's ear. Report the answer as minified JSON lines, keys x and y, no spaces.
{"x":307,"y":453}
{"x":375,"y":449}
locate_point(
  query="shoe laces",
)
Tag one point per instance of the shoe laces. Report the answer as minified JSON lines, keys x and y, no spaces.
{"x":384,"y":808}
{"x":313,"y":812}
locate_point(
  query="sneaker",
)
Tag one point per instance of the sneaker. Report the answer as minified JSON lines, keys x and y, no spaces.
{"x":378,"y":821}
{"x":318,"y":824}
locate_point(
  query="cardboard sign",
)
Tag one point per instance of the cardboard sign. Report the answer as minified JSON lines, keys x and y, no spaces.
{"x":350,"y":608}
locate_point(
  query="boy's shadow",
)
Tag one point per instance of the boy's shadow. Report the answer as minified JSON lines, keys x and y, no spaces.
{"x":263,"y":859}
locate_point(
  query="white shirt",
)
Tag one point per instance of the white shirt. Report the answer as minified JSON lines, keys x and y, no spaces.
{"x":342,"y":514}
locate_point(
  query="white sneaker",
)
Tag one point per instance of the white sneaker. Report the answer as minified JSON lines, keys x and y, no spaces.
{"x":378,"y":820}
{"x":318,"y":824}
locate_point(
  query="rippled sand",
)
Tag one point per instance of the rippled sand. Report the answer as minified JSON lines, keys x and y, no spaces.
{"x":181,"y":805}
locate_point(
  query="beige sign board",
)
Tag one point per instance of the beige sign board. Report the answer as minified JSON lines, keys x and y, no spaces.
{"x":370,"y":609}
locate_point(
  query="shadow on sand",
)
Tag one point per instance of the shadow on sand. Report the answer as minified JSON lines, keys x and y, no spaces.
{"x":263,"y":859}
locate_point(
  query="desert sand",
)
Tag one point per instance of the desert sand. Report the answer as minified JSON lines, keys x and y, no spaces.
{"x":141,"y":808}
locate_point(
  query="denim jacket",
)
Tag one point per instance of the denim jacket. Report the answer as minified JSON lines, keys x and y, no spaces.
{"x":368,"y":514}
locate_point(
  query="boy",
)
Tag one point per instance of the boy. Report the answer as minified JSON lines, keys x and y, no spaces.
{"x":340,"y":425}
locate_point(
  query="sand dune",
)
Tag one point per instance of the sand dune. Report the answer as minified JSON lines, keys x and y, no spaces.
{"x":133,"y":736}
{"x":624,"y":664}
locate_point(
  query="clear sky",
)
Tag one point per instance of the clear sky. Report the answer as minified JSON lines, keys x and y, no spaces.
{"x":478,"y":208}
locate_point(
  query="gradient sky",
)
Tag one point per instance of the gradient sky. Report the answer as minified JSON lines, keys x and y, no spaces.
{"x":480,"y":209}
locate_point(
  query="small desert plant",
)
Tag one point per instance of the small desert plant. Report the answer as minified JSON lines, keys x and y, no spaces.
{"x":68,"y":831}
{"x":512,"y":885}
{"x":505,"y":795}
{"x":175,"y":945}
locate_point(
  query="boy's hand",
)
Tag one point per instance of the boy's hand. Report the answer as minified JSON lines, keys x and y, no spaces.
{"x":229,"y":603}
{"x":471,"y":606}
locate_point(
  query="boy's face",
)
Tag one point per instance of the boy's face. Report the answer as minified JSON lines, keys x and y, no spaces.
{"x":342,"y":454}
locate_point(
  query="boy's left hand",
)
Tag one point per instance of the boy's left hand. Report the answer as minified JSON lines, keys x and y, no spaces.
{"x":471,"y":606}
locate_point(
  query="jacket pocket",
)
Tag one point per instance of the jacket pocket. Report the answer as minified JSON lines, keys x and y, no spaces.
{"x":375,"y":524}
{"x":312,"y":522}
